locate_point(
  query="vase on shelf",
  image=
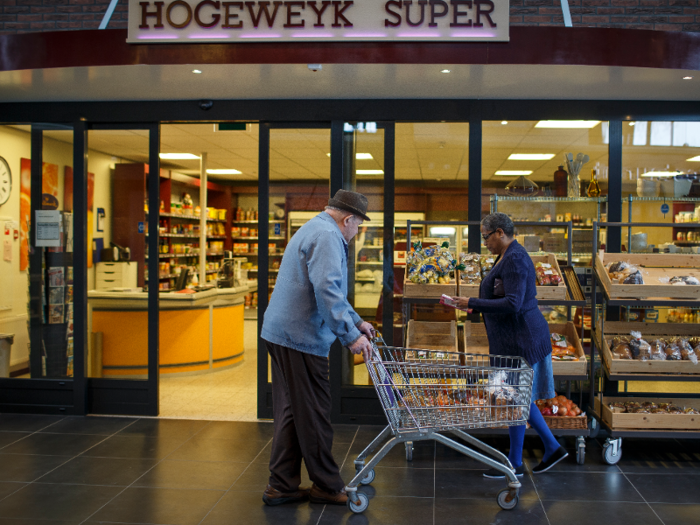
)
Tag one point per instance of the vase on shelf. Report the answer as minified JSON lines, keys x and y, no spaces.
{"x":593,"y":186}
{"x":574,"y":188}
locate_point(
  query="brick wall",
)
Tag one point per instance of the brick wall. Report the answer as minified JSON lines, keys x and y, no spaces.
{"x":21,"y":16}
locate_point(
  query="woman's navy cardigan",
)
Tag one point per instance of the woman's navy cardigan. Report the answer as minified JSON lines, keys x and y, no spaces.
{"x":514,"y":324}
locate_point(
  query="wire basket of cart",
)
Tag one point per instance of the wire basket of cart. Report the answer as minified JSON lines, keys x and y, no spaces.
{"x":426,"y":392}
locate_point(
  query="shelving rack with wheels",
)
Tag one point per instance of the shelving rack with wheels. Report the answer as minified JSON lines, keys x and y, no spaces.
{"x":610,"y":380}
{"x":574,"y":298}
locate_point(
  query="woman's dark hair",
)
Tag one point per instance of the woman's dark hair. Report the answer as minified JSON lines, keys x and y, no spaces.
{"x":495,"y":221}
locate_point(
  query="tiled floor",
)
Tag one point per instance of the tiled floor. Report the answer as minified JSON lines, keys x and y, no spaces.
{"x":73,"y":470}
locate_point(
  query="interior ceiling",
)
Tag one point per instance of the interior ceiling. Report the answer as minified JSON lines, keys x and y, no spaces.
{"x":435,"y":151}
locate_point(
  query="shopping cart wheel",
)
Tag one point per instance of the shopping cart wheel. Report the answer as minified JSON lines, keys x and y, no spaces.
{"x":409,"y":450}
{"x":361,"y":505}
{"x":369,"y":478}
{"x":508,"y":499}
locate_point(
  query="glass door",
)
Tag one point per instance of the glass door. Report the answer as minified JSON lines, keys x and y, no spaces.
{"x":121,"y":269}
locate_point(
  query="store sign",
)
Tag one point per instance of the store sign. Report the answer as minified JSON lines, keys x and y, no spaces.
{"x":180,"y":21}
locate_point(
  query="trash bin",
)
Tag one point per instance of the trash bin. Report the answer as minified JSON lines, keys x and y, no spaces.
{"x":6,"y":341}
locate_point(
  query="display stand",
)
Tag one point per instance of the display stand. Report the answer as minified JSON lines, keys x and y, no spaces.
{"x":612,"y":449}
{"x":574,"y":297}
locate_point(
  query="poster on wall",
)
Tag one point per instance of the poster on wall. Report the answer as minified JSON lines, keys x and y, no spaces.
{"x":49,"y":200}
{"x":68,"y":190}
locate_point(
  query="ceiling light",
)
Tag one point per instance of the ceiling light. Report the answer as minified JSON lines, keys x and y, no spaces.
{"x":694,"y":159}
{"x":360,"y":156}
{"x":661,"y":174}
{"x":197,"y":71}
{"x":224,"y":172}
{"x":504,"y":122}
{"x":179,"y":156}
{"x":445,"y":71}
{"x":369,"y":172}
{"x":510,"y":173}
{"x":687,"y":78}
{"x":632,"y":123}
{"x":531,"y":156}
{"x":442,"y":230}
{"x":567,"y":124}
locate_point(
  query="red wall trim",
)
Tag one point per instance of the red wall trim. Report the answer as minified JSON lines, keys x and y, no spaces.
{"x":528,"y":45}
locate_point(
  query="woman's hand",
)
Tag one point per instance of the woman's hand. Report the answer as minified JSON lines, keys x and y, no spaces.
{"x":462,"y":303}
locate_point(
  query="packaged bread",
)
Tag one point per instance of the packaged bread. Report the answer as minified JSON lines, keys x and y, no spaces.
{"x":683,"y":280}
{"x":673,"y":351}
{"x":487,"y":262}
{"x":640,"y":348}
{"x":687,"y":352}
{"x":472,"y":269}
{"x":620,"y":348}
{"x":658,"y":347}
{"x":622,"y":272}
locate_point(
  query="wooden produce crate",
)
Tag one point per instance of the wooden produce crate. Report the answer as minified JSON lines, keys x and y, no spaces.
{"x":440,"y":337}
{"x":429,"y":291}
{"x":551,"y":292}
{"x":579,"y":367}
{"x":476,"y":342}
{"x":650,"y":331}
{"x":649,"y":421}
{"x":653,"y":267}
{"x":543,"y":292}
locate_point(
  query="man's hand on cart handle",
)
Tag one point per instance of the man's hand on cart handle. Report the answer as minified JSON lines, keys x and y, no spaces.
{"x":362,"y":346}
{"x":462,"y":303}
{"x":367,"y":329}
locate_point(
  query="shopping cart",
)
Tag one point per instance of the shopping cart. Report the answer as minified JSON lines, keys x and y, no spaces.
{"x":426,"y":392}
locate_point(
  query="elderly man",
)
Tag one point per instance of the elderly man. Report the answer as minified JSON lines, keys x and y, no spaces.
{"x":307,"y":312}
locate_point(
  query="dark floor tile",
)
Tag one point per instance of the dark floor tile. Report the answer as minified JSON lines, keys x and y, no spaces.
{"x":345,"y":433}
{"x":587,"y":486}
{"x":192,"y":475}
{"x":527,"y":512}
{"x":26,"y":422}
{"x":673,"y":488}
{"x":341,"y":454}
{"x":152,"y":427}
{"x":103,"y":426}
{"x":166,"y":506}
{"x":367,"y":433}
{"x":8,"y":487}
{"x":53,"y":444}
{"x":471,"y":484}
{"x":598,"y":512}
{"x":593,"y":459}
{"x":27,"y":467}
{"x":256,"y":476}
{"x":56,"y":502}
{"x":237,"y":430}
{"x":135,"y":446}
{"x":22,"y":521}
{"x":385,"y":511}
{"x":423,"y":455}
{"x":248,"y":507}
{"x":99,"y":471}
{"x":203,"y":449}
{"x":448,"y":458}
{"x":393,"y":481}
{"x":677,"y":514}
{"x":656,"y":460}
{"x":7,"y":438}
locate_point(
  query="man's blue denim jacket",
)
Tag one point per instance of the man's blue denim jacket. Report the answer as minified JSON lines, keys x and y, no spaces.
{"x":309,"y":306}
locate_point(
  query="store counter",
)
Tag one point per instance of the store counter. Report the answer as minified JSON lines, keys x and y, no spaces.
{"x":199,"y":332}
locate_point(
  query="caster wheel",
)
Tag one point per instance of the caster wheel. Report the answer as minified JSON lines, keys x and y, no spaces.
{"x":609,"y":457}
{"x":594,"y":428}
{"x":409,"y":450}
{"x":506,"y":500}
{"x":361,"y":505}
{"x":581,"y":456}
{"x":369,"y":478}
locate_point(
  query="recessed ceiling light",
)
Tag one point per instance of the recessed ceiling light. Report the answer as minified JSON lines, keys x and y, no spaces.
{"x":531,"y":156}
{"x":369,"y":172}
{"x":360,"y":156}
{"x":632,"y":123}
{"x":179,"y":156}
{"x":224,"y":172}
{"x":197,"y":71}
{"x":513,"y":172}
{"x":567,"y":124}
{"x":694,"y":159}
{"x":504,"y":122}
{"x":687,"y":78}
{"x":445,"y":71}
{"x":661,"y":174}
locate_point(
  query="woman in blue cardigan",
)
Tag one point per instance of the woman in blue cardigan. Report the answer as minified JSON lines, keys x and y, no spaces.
{"x":516,"y":327}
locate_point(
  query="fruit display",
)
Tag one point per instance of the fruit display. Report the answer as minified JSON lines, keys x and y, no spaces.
{"x":649,"y":407}
{"x":674,"y":348}
{"x":622,"y":272}
{"x":558,"y":406}
{"x":562,"y":349}
{"x":546,"y":275}
{"x":431,"y":265}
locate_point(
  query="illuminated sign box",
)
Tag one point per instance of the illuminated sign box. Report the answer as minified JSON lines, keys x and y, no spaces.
{"x":180,"y":21}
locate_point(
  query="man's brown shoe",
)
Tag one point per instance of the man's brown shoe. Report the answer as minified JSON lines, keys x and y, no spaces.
{"x":273,"y":497}
{"x":318,"y":495}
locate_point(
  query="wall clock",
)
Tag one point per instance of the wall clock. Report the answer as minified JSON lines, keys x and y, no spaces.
{"x":5,"y":181}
